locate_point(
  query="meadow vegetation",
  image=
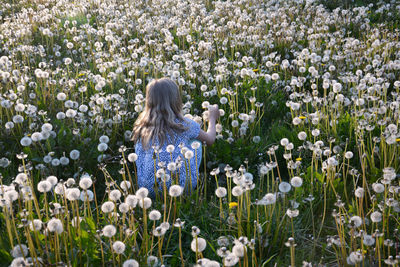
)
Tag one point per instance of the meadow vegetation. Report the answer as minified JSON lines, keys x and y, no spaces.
{"x":305,"y":169}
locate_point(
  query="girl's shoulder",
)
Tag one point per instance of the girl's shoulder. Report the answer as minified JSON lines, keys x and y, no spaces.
{"x":193,"y":128}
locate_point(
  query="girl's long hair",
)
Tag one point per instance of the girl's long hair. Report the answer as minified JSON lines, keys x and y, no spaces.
{"x":163,"y":106}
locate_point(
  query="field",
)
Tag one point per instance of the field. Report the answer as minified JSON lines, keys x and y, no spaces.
{"x":305,"y":168}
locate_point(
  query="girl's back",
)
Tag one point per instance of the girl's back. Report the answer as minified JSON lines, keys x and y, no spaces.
{"x":173,"y":161}
{"x":164,"y":139}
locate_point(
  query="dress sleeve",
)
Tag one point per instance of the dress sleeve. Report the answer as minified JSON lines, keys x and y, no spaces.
{"x":194,"y":129}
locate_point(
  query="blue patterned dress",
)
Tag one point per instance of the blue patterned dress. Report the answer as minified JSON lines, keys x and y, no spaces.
{"x":147,"y":166}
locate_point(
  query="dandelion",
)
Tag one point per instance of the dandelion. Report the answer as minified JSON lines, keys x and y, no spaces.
{"x":85,"y":182}
{"x":231,"y":260}
{"x":291,"y":213}
{"x":60,"y":189}
{"x":198,"y":244}
{"x":44,"y":186}
{"x":233,"y":205}
{"x":159,"y":231}
{"x":55,"y":225}
{"x":195,"y":145}
{"x":356,"y":221}
{"x":107,"y":207}
{"x":152,"y":261}
{"x":109,"y":230}
{"x":154,"y":215}
{"x":239,"y":249}
{"x":132,"y":157}
{"x":26,"y":141}
{"x":269,"y":198}
{"x":47,"y":127}
{"x":378,"y":187}
{"x":131,"y":200}
{"x":237,"y":191}
{"x":145,"y":203}
{"x":302,"y":135}
{"x":102,"y":147}
{"x":170,"y":148}
{"x":35,"y":225}
{"x":21,"y":178}
{"x":275,"y":76}
{"x":118,"y":247}
{"x":87,"y":195}
{"x":76,"y":221}
{"x":284,"y":142}
{"x":284,"y":187}
{"x":220,"y":192}
{"x":130,"y":263}
{"x":114,"y":195}
{"x":73,"y":194}
{"x":175,"y":190}
{"x":376,"y":216}
{"x":354,"y":257}
{"x":315,"y":132}
{"x":368,"y":240}
{"x":125,"y":185}
{"x":19,"y":251}
{"x":359,"y":192}
{"x":189,"y":154}
{"x":74,"y":154}
{"x":142,"y":192}
{"x":296,"y":181}
{"x":104,"y":139}
{"x":348,"y":155}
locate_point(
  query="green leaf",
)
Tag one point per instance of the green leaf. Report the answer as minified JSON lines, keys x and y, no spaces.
{"x":269,"y":259}
{"x":91,"y":224}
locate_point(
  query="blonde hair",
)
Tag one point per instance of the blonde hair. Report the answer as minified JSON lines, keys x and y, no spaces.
{"x":163,"y":106}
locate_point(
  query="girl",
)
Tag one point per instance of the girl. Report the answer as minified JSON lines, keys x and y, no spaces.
{"x":164,"y":139}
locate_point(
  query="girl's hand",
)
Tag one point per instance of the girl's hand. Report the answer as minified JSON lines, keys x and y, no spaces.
{"x":213,"y":112}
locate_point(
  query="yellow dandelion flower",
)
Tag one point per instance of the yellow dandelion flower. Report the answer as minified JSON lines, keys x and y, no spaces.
{"x":298,"y":159}
{"x":397,"y":139}
{"x":233,"y":204}
{"x":255,"y":70}
{"x":302,"y":117}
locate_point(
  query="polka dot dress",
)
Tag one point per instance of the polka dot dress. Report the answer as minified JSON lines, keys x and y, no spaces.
{"x":149,"y":162}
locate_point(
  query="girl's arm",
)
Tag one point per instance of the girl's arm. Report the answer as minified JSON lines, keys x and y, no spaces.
{"x":209,"y":136}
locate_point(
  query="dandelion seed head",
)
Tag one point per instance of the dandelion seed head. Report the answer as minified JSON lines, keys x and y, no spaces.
{"x":284,"y":187}
{"x":35,"y":225}
{"x":198,"y":244}
{"x":154,"y":215}
{"x":44,"y":186}
{"x":114,"y":195}
{"x":87,"y":195}
{"x":296,"y":181}
{"x":142,"y":192}
{"x":125,"y":185}
{"x":109,"y":230}
{"x":132,"y":157}
{"x":19,"y":251}
{"x":231,"y":260}
{"x":118,"y":247}
{"x":175,"y":190}
{"x":131,"y":200}
{"x":220,"y":192}
{"x":145,"y":203}
{"x":73,"y":194}
{"x":130,"y":263}
{"x":55,"y":225}
{"x":85,"y":182}
{"x":107,"y":207}
{"x":237,"y":191}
